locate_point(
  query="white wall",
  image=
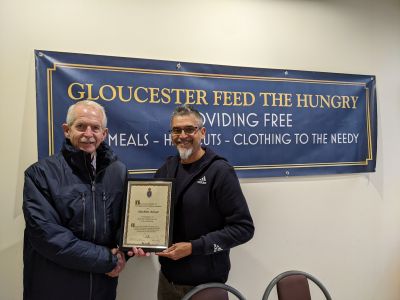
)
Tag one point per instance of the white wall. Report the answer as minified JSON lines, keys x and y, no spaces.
{"x":344,"y":229}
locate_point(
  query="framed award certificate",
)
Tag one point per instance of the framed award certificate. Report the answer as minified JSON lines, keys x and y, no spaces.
{"x":147,"y":221}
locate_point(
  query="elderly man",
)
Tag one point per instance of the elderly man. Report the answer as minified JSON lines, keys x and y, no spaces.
{"x":211,"y":214}
{"x":72,"y":208}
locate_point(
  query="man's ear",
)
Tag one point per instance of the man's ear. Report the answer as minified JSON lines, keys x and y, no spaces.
{"x":203,"y":132}
{"x":66,"y":130}
{"x":105,"y":132}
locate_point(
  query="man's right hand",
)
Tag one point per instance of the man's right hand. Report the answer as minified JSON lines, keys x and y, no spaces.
{"x":138,"y":252}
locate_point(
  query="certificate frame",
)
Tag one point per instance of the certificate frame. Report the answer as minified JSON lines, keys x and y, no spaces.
{"x":147,"y":221}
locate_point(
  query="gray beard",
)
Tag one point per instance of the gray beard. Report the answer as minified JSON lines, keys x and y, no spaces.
{"x":185,"y":153}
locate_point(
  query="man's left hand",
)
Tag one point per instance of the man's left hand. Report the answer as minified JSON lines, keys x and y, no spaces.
{"x":120,"y":264}
{"x":177,"y":251}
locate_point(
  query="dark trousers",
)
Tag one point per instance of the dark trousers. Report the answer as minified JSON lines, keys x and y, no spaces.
{"x":170,"y":291}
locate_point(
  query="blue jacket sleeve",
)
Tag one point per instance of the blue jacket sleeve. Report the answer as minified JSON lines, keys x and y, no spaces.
{"x":53,"y":240}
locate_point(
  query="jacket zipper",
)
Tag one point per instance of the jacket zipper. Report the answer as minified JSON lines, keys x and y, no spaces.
{"x":94,"y":234}
{"x":93,"y":188}
{"x":84,"y":213}
{"x":91,"y":286}
{"x":104,"y":213}
{"x":94,"y":204}
{"x":94,"y":209}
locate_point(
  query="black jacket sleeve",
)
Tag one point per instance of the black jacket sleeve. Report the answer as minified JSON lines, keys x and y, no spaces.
{"x":238,"y":224}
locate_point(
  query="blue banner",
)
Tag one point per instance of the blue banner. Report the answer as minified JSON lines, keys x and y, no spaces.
{"x":266,"y":122}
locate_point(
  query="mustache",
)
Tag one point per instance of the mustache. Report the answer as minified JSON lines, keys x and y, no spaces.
{"x":180,"y":140}
{"x":87,"y":140}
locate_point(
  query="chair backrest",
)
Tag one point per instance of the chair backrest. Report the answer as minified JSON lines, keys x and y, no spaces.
{"x":212,"y":291}
{"x":293,"y":285}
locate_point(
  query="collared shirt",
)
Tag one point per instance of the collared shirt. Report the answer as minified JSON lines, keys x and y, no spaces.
{"x":93,"y":158}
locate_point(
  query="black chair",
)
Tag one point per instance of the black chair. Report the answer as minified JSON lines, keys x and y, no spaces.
{"x":293,"y":285}
{"x":212,"y":291}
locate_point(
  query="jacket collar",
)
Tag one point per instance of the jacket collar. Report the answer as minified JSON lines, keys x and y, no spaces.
{"x":80,"y":160}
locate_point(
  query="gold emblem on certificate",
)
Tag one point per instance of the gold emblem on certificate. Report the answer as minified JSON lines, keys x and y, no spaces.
{"x":148,"y":214}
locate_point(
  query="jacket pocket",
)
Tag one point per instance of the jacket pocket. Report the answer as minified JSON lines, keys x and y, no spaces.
{"x":73,"y":206}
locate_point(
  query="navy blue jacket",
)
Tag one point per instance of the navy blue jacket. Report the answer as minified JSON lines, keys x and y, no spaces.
{"x":72,"y":219}
{"x":210,"y":212}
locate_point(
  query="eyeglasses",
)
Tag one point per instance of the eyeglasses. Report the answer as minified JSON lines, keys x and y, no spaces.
{"x":186,"y":130}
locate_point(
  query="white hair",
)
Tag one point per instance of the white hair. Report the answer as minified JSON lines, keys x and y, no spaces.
{"x":71,"y":112}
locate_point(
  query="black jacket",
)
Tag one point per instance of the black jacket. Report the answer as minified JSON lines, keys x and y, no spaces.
{"x":72,"y":219}
{"x":210,"y":212}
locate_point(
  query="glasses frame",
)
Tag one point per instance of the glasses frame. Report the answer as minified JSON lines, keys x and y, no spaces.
{"x":182,"y":130}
